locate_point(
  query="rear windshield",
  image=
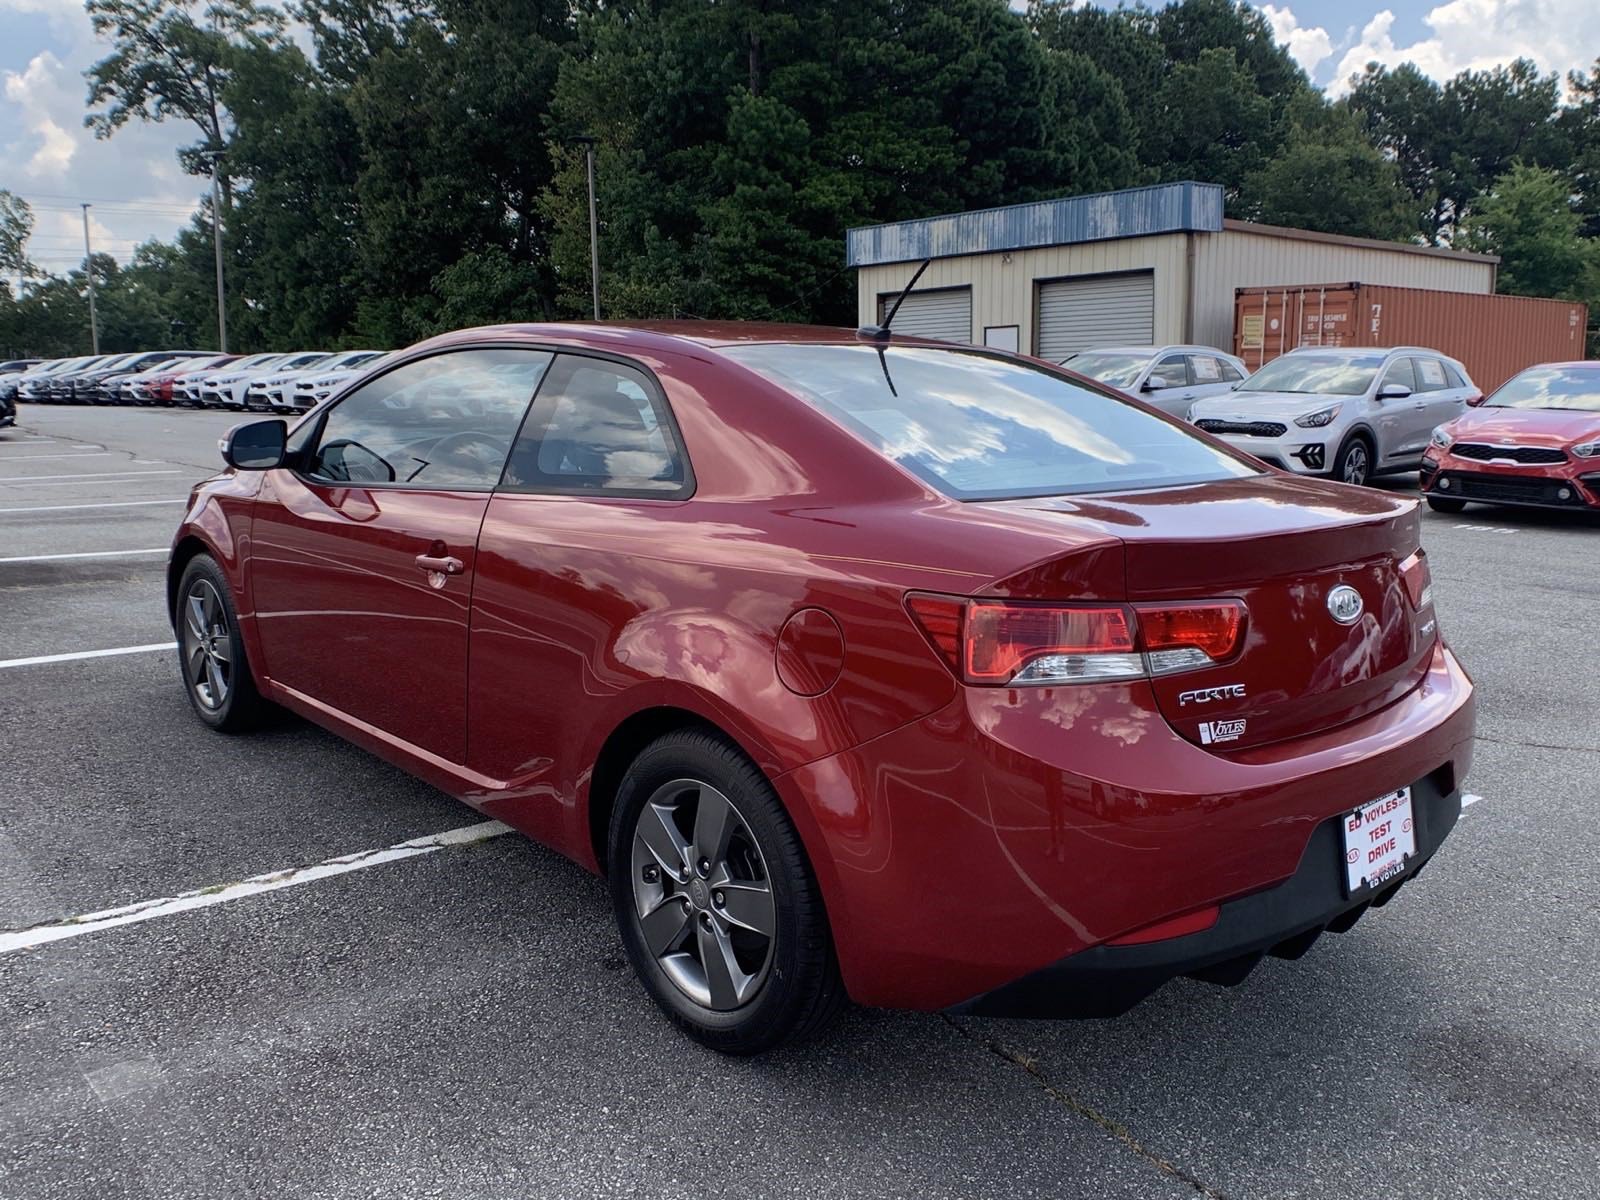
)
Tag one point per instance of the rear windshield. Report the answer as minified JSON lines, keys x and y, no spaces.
{"x":1119,"y":370}
{"x":1551,"y":387}
{"x":980,"y":427}
{"x":1316,"y":374}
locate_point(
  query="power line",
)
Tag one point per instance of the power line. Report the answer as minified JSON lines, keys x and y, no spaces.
{"x":46,"y":197}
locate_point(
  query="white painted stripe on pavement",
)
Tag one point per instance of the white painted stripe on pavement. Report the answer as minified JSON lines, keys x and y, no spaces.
{"x":5,"y":458}
{"x":83,"y":554}
{"x":149,"y":910}
{"x":4,"y":479}
{"x":42,"y":659}
{"x":1468,"y":800}
{"x":108,"y":504}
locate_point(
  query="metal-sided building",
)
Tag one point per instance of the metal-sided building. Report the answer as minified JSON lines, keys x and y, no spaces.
{"x":1144,"y":266}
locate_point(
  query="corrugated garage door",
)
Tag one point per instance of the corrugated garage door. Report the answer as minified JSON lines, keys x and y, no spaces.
{"x":943,"y":313}
{"x":1106,"y":310}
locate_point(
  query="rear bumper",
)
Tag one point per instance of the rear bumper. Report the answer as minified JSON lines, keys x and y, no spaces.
{"x":1019,"y":831}
{"x":1283,"y":921}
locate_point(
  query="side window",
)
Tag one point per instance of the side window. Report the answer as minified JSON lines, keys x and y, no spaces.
{"x":1430,"y":375}
{"x":1205,"y":368}
{"x":598,"y":426}
{"x":1455,"y":376}
{"x":446,"y":421}
{"x":1400,"y":372}
{"x":1174,"y":368}
{"x":1230,"y":373}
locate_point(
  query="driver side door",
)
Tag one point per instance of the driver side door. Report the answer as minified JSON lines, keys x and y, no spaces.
{"x":364,"y":548}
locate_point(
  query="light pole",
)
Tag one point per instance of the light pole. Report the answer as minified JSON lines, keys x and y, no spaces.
{"x":88,"y":273}
{"x":216,"y":239}
{"x":587,"y":142}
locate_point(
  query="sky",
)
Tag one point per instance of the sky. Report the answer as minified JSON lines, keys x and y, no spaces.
{"x":137,"y":191}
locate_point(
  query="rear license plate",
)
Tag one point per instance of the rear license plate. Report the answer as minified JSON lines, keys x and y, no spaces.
{"x":1380,"y":840}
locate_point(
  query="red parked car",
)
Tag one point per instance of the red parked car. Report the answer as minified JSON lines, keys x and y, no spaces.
{"x":1534,"y":443}
{"x":929,"y":675}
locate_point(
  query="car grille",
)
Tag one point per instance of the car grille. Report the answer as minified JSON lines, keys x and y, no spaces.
{"x":1261,"y":429}
{"x":1483,"y":452}
{"x":1509,"y":489}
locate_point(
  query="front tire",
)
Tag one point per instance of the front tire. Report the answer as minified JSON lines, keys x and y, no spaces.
{"x":211,"y":655}
{"x":1440,"y":505}
{"x":1353,"y":465}
{"x":715,"y":900}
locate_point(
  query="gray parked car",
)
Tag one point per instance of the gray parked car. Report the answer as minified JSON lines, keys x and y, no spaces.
{"x":1170,"y":378}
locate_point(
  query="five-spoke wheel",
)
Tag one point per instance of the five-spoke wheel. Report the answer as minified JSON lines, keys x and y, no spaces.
{"x":205,"y":643}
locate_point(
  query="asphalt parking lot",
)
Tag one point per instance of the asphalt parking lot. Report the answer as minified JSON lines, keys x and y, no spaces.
{"x":461,"y":1022}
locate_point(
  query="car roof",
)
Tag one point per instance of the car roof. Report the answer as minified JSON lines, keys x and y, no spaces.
{"x":669,"y":336}
{"x":1353,"y":351}
{"x":1173,"y":349}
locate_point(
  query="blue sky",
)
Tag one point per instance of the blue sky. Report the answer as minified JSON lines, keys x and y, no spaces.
{"x":51,"y":160}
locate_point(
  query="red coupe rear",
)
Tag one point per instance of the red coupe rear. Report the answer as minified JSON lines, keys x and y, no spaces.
{"x":860,"y":665}
{"x":1534,"y":443}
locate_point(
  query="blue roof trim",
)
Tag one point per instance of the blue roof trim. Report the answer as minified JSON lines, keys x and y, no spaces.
{"x":1134,"y":212}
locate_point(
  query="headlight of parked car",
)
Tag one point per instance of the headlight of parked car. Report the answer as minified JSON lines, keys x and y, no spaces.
{"x":1316,"y":420}
{"x":1587,"y":449}
{"x":1441,"y":439}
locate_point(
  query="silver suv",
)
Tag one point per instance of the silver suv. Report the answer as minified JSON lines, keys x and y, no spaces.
{"x":1343,"y":411}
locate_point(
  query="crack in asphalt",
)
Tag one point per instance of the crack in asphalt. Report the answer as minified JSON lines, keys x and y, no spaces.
{"x":1067,"y":1100}
{"x":1483,"y":737}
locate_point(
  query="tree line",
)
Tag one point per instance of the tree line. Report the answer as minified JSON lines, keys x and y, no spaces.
{"x":393,"y":168}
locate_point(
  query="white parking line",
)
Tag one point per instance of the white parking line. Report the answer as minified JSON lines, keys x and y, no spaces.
{"x":149,"y":910}
{"x":85,"y":453}
{"x":86,"y":475}
{"x":1468,"y":800}
{"x":42,"y":659}
{"x":109,"y":504}
{"x":28,"y":558}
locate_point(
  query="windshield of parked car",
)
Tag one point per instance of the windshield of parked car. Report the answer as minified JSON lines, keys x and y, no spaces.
{"x":1550,"y":387}
{"x":1316,"y":374}
{"x":1119,"y":370}
{"x":977,"y":426}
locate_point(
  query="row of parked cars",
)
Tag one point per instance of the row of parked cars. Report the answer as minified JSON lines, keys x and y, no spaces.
{"x":1355,"y":413}
{"x":195,"y":378}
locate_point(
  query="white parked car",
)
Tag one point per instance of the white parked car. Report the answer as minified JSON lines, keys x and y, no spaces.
{"x":312,"y":387}
{"x":226,"y":388}
{"x":1170,"y":378}
{"x":1348,"y":412}
{"x":266,"y":388}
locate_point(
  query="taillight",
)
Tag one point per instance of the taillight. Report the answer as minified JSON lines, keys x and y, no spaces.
{"x":1009,"y":643}
{"x":1418,"y":579}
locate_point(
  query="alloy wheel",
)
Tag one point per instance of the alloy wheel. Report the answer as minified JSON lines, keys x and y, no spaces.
{"x":702,"y":894}
{"x":207,"y":647}
{"x":1355,"y":463}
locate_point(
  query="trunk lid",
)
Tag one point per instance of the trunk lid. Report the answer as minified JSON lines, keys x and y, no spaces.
{"x":1281,"y":545}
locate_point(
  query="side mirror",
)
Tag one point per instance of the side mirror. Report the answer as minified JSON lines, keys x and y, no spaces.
{"x":256,"y":446}
{"x":1393,"y":391}
{"x":1157,"y":383}
{"x":1475,"y":400}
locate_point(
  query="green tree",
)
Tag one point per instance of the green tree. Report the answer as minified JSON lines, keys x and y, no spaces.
{"x":16,"y":225}
{"x":1329,"y":177}
{"x":1580,"y":123}
{"x":1216,"y":126}
{"x":166,"y":63}
{"x":1527,"y":219}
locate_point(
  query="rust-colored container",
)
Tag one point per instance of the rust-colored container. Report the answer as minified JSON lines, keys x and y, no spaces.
{"x":1493,"y":336}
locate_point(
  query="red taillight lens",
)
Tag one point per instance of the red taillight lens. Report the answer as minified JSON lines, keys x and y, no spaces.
{"x":1418,"y":579}
{"x":1182,"y":637}
{"x":996,"y":642}
{"x":1055,"y":643}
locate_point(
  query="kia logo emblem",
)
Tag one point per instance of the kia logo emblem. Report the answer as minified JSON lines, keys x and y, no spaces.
{"x":1345,"y":605}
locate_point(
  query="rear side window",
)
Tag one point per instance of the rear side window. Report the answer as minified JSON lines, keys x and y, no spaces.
{"x":979,"y":427}
{"x":1230,"y":373}
{"x":446,"y":421}
{"x":598,"y":426}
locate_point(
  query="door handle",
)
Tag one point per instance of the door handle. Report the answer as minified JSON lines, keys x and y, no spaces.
{"x":444,"y":564}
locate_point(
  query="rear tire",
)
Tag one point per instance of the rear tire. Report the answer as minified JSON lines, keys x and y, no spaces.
{"x":211,"y":656}
{"x":692,"y":915}
{"x":1353,"y":464}
{"x":1445,"y":506}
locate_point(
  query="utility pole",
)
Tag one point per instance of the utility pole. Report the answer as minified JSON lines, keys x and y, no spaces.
{"x":587,"y":142}
{"x":216,"y":239}
{"x":88,"y":272}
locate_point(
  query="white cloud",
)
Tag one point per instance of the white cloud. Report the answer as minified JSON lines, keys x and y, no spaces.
{"x":1310,"y":46}
{"x":1558,"y":35}
{"x":27,"y":91}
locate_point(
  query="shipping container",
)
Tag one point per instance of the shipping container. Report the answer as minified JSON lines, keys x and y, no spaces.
{"x":1494,"y":337}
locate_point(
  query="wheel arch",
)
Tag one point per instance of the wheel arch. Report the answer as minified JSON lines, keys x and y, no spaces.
{"x":188,"y":548}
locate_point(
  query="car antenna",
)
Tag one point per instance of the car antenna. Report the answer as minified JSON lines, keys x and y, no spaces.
{"x":880,"y":333}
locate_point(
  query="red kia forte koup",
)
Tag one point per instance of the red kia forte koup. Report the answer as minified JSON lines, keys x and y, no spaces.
{"x":861,"y":666}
